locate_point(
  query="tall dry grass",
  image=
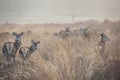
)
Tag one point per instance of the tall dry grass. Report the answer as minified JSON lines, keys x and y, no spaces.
{"x":72,"y":58}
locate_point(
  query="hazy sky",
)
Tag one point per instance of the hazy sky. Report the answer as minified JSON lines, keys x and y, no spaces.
{"x":51,"y":10}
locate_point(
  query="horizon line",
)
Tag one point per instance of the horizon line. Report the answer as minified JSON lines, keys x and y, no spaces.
{"x":62,"y":20}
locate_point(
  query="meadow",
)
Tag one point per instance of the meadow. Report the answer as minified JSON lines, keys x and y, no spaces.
{"x":58,"y":58}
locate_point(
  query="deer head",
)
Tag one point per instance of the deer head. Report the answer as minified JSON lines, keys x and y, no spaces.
{"x":18,"y":36}
{"x":104,"y":37}
{"x":34,"y":45}
{"x":67,"y":28}
{"x":18,"y":39}
{"x":83,"y":31}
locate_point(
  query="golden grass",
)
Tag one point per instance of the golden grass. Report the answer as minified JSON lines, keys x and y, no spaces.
{"x":72,"y":58}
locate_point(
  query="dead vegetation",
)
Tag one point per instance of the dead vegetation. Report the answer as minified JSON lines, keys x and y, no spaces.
{"x":72,"y":58}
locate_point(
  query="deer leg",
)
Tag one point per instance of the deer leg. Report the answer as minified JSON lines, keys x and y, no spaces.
{"x":8,"y":58}
{"x":13,"y":58}
{"x":102,"y":50}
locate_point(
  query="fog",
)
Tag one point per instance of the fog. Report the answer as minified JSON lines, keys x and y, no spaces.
{"x":58,"y":10}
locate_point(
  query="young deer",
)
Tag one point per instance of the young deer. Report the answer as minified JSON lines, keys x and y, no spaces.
{"x":10,"y":48}
{"x":25,"y":52}
{"x":104,"y":38}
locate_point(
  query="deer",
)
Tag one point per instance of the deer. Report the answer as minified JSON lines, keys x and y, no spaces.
{"x":102,"y":42}
{"x":10,"y":49}
{"x":25,"y":52}
{"x":65,"y":33}
{"x":82,"y":32}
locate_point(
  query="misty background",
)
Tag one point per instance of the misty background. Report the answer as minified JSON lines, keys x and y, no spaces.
{"x":58,"y":10}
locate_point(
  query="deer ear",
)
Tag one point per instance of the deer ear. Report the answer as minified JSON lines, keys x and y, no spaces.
{"x":38,"y":42}
{"x":103,"y":33}
{"x":32,"y":41}
{"x":14,"y":34}
{"x":86,"y":28}
{"x":21,"y":33}
{"x":100,"y":34}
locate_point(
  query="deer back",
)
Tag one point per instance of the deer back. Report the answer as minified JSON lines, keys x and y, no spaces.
{"x":24,"y":52}
{"x":9,"y":49}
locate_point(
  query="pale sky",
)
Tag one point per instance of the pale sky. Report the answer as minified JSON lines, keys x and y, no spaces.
{"x":58,"y":10}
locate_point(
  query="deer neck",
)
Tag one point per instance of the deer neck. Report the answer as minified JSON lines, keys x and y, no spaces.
{"x":31,"y":50}
{"x":101,"y":43}
{"x":17,"y":44}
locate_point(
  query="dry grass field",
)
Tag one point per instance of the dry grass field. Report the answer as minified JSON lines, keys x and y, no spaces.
{"x":69,"y":58}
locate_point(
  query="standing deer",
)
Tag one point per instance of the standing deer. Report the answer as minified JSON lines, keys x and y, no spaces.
{"x":10,"y":48}
{"x":25,"y":52}
{"x":104,"y":38}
